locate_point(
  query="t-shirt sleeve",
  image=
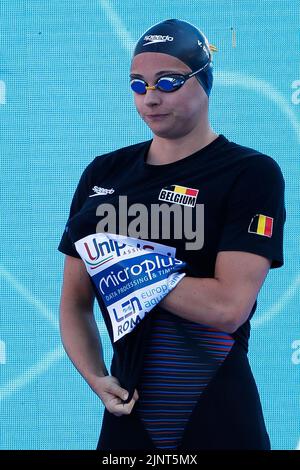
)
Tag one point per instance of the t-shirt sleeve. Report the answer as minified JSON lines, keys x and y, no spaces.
{"x":82,"y":191}
{"x":255,"y":211}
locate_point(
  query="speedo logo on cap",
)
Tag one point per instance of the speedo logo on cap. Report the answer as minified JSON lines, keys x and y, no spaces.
{"x":154,"y":38}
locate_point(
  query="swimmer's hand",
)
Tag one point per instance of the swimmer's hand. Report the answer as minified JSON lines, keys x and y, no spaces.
{"x":113,"y":396}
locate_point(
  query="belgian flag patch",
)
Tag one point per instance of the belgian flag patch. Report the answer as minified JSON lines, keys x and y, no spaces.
{"x":261,"y":225}
{"x":179,"y":195}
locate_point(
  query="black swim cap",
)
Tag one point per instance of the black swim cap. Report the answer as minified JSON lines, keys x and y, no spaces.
{"x":184,"y":41}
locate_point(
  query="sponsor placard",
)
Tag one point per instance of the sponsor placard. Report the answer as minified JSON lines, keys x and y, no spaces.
{"x":131,"y":276}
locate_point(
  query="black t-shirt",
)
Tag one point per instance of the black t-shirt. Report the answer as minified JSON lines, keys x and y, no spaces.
{"x":231,"y":196}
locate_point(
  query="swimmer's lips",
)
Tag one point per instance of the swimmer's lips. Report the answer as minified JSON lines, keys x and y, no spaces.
{"x":156,"y":117}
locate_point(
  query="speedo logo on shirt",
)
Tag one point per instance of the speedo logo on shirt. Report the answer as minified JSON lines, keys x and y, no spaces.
{"x":154,"y":38}
{"x":101,"y":191}
{"x":179,"y":195}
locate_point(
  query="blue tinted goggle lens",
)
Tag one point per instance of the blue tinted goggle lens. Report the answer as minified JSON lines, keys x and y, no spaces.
{"x":166,"y":84}
{"x":139,"y":86}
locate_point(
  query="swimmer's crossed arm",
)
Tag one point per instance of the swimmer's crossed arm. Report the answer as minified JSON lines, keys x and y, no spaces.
{"x":81,"y":339}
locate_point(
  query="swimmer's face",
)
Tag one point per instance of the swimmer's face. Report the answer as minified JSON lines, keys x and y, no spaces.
{"x":168,"y":115}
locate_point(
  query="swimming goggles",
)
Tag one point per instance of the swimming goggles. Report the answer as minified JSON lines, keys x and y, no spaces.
{"x":167,"y":84}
